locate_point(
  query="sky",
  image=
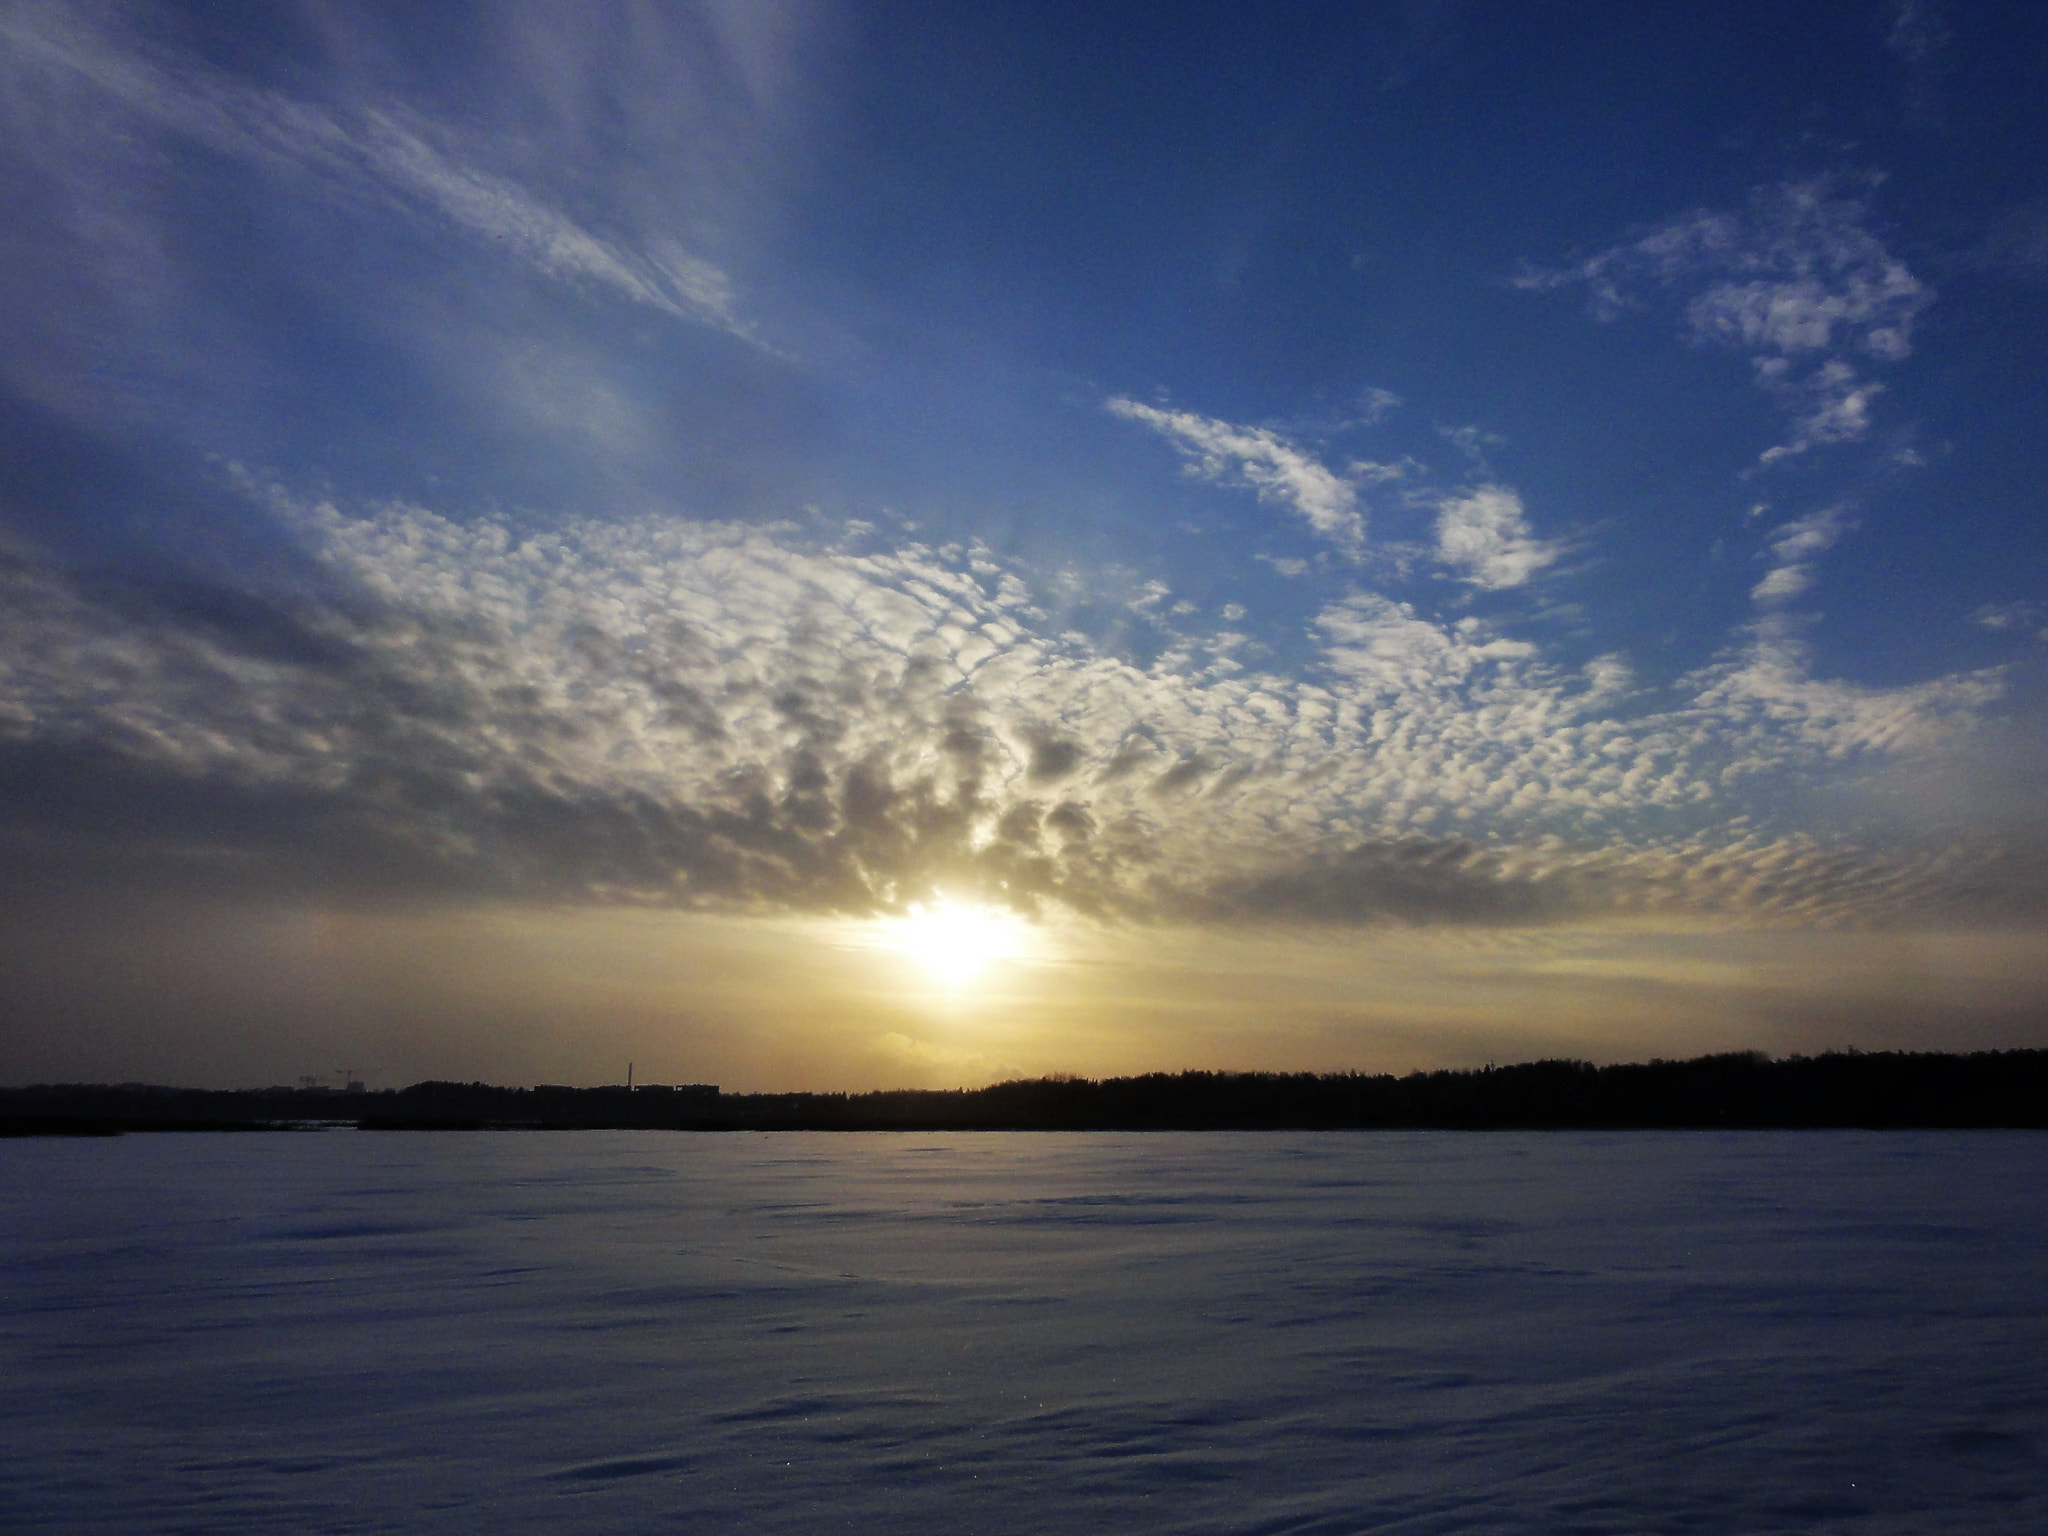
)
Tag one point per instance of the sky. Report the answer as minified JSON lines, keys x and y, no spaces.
{"x":826,"y":546}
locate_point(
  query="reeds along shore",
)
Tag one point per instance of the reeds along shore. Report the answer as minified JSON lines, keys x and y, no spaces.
{"x":1744,"y":1090}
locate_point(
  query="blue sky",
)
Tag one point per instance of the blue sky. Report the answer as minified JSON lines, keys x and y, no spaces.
{"x":1559,"y":479}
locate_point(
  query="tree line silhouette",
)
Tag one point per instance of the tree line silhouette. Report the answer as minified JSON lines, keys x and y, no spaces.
{"x":1747,"y":1089}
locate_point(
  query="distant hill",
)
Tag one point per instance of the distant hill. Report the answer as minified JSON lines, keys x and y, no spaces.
{"x":1741,"y":1090}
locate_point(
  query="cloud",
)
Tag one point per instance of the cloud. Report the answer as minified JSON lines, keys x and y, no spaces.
{"x":1918,"y":35}
{"x":664,"y":276}
{"x":1795,"y":879}
{"x":1829,"y":405}
{"x":1486,"y":536}
{"x":1483,"y":535}
{"x":2008,"y":616}
{"x":1796,"y":280}
{"x":1769,"y":682}
{"x":1375,"y":405}
{"x":1768,"y":694}
{"x":730,"y":717}
{"x":1265,"y":462}
{"x":1782,"y":583}
{"x":1793,"y":546}
{"x":350,"y":151}
{"x":1472,"y":442}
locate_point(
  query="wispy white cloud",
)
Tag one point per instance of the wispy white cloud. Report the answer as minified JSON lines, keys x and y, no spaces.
{"x":1829,"y":405}
{"x":1768,"y":695}
{"x":1472,"y":442}
{"x":1485,"y":536}
{"x":349,"y":151}
{"x":1375,"y":405}
{"x":1793,"y":548}
{"x":2010,"y":616}
{"x":662,"y":276}
{"x":1764,"y":694}
{"x":1919,"y":37}
{"x":1276,"y":469}
{"x":1482,"y":535}
{"x":1797,"y":280}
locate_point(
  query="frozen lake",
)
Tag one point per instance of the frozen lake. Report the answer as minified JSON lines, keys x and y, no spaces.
{"x":639,"y":1331}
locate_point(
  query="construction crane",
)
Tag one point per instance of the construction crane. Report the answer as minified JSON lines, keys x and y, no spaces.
{"x":351,"y":1078}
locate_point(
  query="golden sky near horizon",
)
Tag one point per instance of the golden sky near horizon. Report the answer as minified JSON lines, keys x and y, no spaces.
{"x":522,"y":995}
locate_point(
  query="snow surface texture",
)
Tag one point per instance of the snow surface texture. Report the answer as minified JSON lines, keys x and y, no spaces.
{"x":624,"y":1332}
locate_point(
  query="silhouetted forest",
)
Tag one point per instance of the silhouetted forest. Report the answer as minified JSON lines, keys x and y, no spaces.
{"x":1742,"y":1090}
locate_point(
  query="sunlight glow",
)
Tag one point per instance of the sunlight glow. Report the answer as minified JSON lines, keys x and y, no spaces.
{"x":956,"y":943}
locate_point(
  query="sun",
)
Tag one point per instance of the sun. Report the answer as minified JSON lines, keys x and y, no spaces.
{"x":956,"y":943}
